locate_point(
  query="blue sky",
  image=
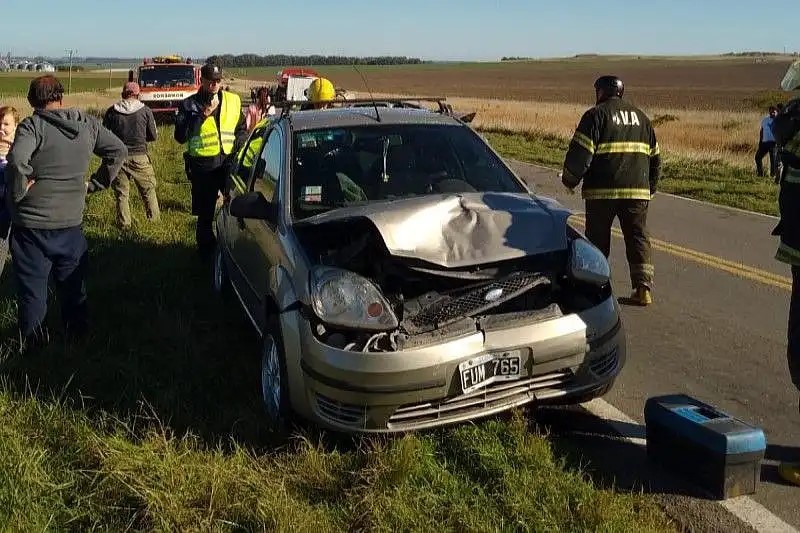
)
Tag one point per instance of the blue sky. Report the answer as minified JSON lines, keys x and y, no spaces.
{"x":432,"y":29}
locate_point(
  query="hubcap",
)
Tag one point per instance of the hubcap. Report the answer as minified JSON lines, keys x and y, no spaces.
{"x":271,"y":378}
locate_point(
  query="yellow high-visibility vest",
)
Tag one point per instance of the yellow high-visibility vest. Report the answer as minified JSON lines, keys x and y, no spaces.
{"x":207,"y":141}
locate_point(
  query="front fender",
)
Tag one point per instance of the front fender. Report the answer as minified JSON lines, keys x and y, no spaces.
{"x":282,"y":288}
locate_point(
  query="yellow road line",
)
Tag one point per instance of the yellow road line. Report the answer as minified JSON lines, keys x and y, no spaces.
{"x":737,"y":269}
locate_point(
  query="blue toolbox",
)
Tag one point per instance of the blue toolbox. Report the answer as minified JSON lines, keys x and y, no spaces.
{"x":717,"y":452}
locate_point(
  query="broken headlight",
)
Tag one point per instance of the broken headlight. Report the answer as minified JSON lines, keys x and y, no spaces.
{"x":343,"y":298}
{"x":588,"y":264}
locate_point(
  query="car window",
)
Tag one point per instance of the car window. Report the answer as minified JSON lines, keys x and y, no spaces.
{"x":248,"y":155}
{"x":337,"y":167}
{"x":269,"y":171}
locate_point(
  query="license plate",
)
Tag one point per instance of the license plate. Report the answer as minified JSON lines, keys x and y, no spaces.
{"x":489,"y":368}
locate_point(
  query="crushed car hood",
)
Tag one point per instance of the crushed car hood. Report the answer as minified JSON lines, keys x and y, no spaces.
{"x":458,"y":230}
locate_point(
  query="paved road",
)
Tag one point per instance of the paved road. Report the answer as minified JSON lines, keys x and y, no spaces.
{"x":717,"y":330}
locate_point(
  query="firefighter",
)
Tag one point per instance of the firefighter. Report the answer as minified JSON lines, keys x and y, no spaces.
{"x":212,"y":124}
{"x":786,"y":128}
{"x":320,"y":94}
{"x":615,"y":153}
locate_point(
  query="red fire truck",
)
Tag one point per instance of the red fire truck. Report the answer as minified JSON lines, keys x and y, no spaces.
{"x":165,"y":81}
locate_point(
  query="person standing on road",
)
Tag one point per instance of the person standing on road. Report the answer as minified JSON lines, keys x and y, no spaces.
{"x":766,"y":145}
{"x":212,"y":123}
{"x":615,"y":153}
{"x":46,"y":179}
{"x":786,"y":127}
{"x":133,"y":122}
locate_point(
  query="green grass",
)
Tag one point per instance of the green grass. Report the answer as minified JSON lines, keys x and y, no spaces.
{"x":13,"y":84}
{"x":155,"y":423}
{"x":709,"y":180}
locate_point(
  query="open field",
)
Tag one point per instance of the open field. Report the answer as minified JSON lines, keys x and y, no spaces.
{"x":728,"y":135}
{"x":13,"y":83}
{"x":154,"y":423}
{"x":729,"y":84}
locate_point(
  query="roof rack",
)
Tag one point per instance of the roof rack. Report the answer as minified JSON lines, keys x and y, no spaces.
{"x":444,"y":107}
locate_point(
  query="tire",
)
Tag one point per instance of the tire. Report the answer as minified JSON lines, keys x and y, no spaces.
{"x":274,"y":381}
{"x":220,"y":281}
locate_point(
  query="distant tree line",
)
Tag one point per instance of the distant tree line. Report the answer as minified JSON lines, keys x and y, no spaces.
{"x":514,"y":58}
{"x":756,"y":54}
{"x":253,"y":60}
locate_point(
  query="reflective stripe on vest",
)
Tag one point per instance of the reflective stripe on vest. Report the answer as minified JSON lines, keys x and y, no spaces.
{"x":616,"y":194}
{"x":623,"y":148}
{"x":207,"y":142}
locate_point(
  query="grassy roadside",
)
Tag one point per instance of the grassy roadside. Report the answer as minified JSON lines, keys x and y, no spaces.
{"x":155,"y":422}
{"x":709,"y":180}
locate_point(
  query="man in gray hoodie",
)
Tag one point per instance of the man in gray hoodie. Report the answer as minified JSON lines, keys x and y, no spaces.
{"x":46,"y":195}
{"x":133,"y":122}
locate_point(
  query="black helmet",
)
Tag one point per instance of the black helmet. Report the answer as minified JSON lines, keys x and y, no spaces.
{"x":610,"y":86}
{"x":210,"y":71}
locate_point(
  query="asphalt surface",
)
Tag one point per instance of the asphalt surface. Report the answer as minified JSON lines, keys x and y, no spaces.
{"x":715,"y":334}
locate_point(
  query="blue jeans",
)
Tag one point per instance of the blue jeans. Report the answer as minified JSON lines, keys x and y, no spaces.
{"x":35,"y":253}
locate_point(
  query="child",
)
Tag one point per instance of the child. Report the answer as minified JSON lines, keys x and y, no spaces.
{"x":9,"y":118}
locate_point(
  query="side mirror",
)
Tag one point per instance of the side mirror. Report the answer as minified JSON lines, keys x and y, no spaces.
{"x":130,"y":75}
{"x":253,"y":205}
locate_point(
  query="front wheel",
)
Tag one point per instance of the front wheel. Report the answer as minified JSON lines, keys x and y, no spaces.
{"x":274,"y":383}
{"x":220,"y":280}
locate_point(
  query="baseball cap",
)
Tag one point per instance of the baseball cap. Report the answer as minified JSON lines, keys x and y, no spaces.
{"x":210,"y":71}
{"x":131,"y":88}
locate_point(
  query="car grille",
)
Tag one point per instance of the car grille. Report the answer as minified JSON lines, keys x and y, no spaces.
{"x":605,"y":365}
{"x":473,"y":302}
{"x":495,"y":395}
{"x":341,"y":413}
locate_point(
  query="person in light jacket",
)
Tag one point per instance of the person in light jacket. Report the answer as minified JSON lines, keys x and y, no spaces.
{"x":133,"y":122}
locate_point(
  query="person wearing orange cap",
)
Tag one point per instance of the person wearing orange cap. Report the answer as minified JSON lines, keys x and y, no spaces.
{"x":134,"y":124}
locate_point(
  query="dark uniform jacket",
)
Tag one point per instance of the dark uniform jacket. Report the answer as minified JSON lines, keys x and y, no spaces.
{"x":188,"y":120}
{"x":615,"y":152}
{"x":134,"y":124}
{"x":788,"y":228}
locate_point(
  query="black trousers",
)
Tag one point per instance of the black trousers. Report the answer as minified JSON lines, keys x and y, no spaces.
{"x":764,"y":149}
{"x":632,"y":214}
{"x":205,"y":189}
{"x":35,"y":254}
{"x":793,"y":350}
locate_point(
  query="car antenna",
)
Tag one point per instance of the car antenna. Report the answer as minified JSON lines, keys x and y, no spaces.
{"x":377,"y":115}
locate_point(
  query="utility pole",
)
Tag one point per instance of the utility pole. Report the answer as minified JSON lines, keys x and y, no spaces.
{"x":70,"y":52}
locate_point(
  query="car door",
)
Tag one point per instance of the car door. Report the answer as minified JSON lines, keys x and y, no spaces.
{"x":258,"y":246}
{"x":229,"y":228}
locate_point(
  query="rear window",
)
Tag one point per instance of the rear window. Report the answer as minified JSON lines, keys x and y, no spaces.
{"x":337,"y":167}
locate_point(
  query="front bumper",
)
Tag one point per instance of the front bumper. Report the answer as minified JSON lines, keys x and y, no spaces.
{"x":562,"y":358}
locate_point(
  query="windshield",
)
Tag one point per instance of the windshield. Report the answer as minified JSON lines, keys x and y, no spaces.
{"x":344,"y":166}
{"x":166,"y":76}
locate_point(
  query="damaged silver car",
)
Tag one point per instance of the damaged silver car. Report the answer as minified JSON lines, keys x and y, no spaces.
{"x":402,"y":277}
